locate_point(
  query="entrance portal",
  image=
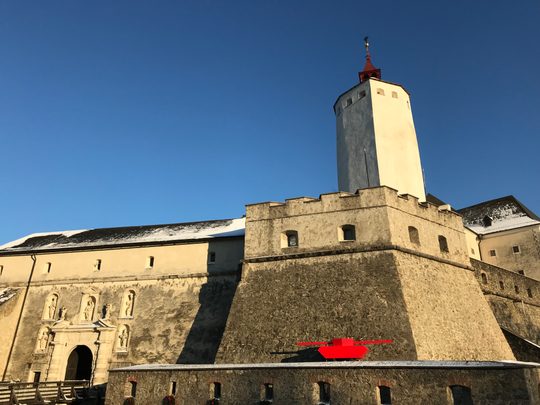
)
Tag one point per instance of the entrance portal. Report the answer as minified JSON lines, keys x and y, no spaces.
{"x":79,"y":364}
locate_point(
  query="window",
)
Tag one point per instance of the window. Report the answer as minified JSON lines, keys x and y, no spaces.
{"x":211,"y":257}
{"x":215,"y":391}
{"x":529,"y":293}
{"x":47,"y":268}
{"x":493,"y":253}
{"x":349,"y":101}
{"x":289,"y":239}
{"x":133,"y":388}
{"x":324,"y":393}
{"x":443,"y":244}
{"x":267,"y":394}
{"x":361,"y":95}
{"x":461,"y":395}
{"x":385,"y":396}
{"x":516,"y":289}
{"x":37,"y":376}
{"x":150,"y":262}
{"x":172,"y":390}
{"x":484,"y":278}
{"x":472,"y":251}
{"x":501,"y":285}
{"x":380,"y":91}
{"x":347,"y":233}
{"x":487,"y":221}
{"x":97,"y":265}
{"x":516,"y":249}
{"x":522,"y":272}
{"x":414,"y":237}
{"x":1,"y":269}
{"x":394,"y":94}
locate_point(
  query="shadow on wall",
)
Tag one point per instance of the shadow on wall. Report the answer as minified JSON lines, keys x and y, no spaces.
{"x":215,"y":298}
{"x":303,"y":355}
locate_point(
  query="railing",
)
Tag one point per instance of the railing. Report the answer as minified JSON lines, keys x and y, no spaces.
{"x":49,"y":392}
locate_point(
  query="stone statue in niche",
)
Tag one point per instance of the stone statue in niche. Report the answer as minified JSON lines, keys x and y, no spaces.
{"x":123,"y":338}
{"x":62,"y":313}
{"x":106,"y":311}
{"x":89,"y":310}
{"x":128,"y":311}
{"x":51,"y":310}
{"x":43,"y":340}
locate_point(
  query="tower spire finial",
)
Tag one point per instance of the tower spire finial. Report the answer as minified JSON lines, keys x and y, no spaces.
{"x":369,"y":69}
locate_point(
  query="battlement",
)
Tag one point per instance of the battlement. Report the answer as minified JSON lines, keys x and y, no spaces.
{"x":342,"y":201}
{"x":370,"y":217}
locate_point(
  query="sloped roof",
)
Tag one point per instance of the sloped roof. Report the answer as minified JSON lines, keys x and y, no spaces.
{"x":131,"y":235}
{"x":505,"y":213}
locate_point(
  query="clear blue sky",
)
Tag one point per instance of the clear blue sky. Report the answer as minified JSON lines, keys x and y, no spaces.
{"x":131,"y":112}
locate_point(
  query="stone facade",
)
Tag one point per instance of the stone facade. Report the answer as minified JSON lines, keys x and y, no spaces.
{"x":349,"y":383}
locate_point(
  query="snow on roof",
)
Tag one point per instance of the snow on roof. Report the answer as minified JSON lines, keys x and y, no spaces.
{"x":498,"y":215}
{"x":497,"y":364}
{"x":103,"y":237}
{"x":6,"y":294}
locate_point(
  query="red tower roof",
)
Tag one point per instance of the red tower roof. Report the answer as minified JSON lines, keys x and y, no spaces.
{"x":369,"y":69}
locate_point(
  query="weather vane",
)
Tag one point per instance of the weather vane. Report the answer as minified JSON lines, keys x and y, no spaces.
{"x":366,"y":44}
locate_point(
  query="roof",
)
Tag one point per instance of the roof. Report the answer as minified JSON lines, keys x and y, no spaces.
{"x":131,"y":235}
{"x":504,"y":213}
{"x":496,"y":364}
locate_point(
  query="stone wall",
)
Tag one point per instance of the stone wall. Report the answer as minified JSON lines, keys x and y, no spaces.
{"x":9,"y":314}
{"x":350,"y":383}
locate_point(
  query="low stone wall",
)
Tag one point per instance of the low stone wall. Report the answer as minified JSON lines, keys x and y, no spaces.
{"x":413,"y":382}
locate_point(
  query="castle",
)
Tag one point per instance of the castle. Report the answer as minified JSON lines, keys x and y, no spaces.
{"x":213,"y":311}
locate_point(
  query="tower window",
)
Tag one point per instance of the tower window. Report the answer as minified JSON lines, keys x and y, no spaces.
{"x":361,"y":94}
{"x":443,"y":244}
{"x":349,"y":102}
{"x":173,"y":388}
{"x":133,"y":388}
{"x":522,"y":272}
{"x":47,"y":268}
{"x":493,"y":253}
{"x":348,"y":233}
{"x":150,"y":262}
{"x":472,"y":251}
{"x":97,"y":265}
{"x":380,"y":91}
{"x":501,"y":285}
{"x":461,"y":395}
{"x":394,"y":94}
{"x":215,"y":391}
{"x":289,"y":239}
{"x":1,"y":269}
{"x":529,"y":293}
{"x":414,"y":237}
{"x":516,"y":289}
{"x":484,"y":278}
{"x":211,"y":257}
{"x":324,"y":393}
{"x":516,"y":249}
{"x":385,"y":395}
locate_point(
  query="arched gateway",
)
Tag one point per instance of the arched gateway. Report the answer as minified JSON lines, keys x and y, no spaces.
{"x":79,"y":364}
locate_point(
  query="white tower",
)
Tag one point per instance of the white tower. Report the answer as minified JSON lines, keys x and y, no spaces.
{"x":376,"y":140}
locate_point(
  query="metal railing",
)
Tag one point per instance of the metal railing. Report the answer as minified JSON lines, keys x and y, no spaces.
{"x":46,"y":392}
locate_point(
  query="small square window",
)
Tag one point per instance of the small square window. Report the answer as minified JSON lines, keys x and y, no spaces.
{"x":522,"y":272}
{"x":472,"y":251}
{"x":97,"y":265}
{"x":516,"y":249}
{"x":349,"y":102}
{"x":211,"y":257}
{"x":380,"y":91}
{"x":150,"y":262}
{"x":493,"y":253}
{"x":394,"y":94}
{"x":361,"y":94}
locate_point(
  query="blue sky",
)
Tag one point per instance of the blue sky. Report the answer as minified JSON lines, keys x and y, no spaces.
{"x":118,"y":113}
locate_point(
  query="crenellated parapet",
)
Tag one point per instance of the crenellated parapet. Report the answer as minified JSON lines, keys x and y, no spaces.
{"x":372,"y":217}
